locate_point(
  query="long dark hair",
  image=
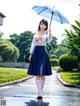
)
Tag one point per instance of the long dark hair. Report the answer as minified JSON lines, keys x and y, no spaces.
{"x":45,"y":22}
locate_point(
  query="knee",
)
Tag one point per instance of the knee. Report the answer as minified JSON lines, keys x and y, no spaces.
{"x":40,"y":77}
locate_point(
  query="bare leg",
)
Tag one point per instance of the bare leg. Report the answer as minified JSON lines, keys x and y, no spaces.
{"x":40,"y":77}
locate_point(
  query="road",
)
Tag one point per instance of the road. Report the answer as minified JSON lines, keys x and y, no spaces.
{"x":55,"y":94}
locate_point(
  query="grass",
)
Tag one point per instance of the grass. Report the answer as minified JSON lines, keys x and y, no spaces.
{"x":11,"y":74}
{"x":71,"y":77}
{"x":56,"y":68}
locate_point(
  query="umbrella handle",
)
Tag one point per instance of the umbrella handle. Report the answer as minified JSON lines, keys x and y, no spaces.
{"x":51,"y":20}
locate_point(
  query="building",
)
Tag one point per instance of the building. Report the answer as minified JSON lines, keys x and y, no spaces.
{"x":1,"y":18}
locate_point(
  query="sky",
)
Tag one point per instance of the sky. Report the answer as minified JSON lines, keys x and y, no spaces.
{"x":20,"y":17}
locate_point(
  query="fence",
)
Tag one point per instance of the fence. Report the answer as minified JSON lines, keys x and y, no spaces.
{"x":12,"y":64}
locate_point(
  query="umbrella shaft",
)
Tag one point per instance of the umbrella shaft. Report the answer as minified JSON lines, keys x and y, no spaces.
{"x":51,"y":20}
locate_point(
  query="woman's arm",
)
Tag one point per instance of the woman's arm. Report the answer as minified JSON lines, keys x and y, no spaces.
{"x":32,"y":46}
{"x":31,"y":49}
{"x":49,"y":37}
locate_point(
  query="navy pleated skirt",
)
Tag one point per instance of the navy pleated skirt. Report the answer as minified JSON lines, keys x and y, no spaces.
{"x":40,"y":63}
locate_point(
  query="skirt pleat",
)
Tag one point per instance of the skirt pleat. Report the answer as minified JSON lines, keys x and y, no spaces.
{"x":40,"y":63}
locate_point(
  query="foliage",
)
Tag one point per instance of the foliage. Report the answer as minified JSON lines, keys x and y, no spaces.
{"x":14,"y":38}
{"x":1,"y":34}
{"x":51,"y":47}
{"x":67,"y":62}
{"x":8,"y":51}
{"x":52,"y":56}
{"x":72,"y":41}
{"x":1,"y":59}
{"x":61,"y":49}
{"x":23,"y":42}
{"x":54,"y":61}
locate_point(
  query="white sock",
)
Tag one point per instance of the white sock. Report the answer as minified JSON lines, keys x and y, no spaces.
{"x":39,"y":87}
{"x":42,"y":84}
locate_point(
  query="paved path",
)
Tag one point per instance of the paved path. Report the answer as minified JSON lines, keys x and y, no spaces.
{"x":55,"y":94}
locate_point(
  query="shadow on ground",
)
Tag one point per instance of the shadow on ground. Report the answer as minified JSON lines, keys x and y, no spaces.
{"x":36,"y":103}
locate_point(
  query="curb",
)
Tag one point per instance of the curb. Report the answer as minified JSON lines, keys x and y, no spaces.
{"x":15,"y":82}
{"x":67,"y":84}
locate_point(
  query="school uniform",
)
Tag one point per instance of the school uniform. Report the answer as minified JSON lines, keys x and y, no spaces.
{"x":40,"y":63}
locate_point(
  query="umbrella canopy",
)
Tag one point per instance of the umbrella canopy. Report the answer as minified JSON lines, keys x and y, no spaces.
{"x":50,"y":13}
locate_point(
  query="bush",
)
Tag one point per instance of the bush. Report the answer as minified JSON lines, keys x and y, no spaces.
{"x":8,"y":51}
{"x":67,"y":62}
{"x":54,"y":62}
{"x":53,"y":56}
{"x":1,"y":59}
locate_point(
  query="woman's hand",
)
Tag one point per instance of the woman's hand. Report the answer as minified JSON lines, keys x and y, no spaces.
{"x":38,"y":39}
{"x":30,"y":56}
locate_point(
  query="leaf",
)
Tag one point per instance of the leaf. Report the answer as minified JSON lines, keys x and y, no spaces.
{"x":78,"y":23}
{"x":76,"y":28}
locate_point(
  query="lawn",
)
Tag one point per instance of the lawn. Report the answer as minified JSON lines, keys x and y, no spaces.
{"x":56,"y":68}
{"x":72,"y":77}
{"x":11,"y":74}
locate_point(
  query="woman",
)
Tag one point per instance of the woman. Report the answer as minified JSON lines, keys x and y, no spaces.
{"x":39,"y":59}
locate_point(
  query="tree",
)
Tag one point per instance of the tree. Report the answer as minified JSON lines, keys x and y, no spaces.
{"x":23,"y":42}
{"x":8,"y":51}
{"x":52,"y":46}
{"x":14,"y":38}
{"x":1,"y":34}
{"x":61,"y":49}
{"x":72,"y":41}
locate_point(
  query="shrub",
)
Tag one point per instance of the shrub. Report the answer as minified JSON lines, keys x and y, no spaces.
{"x":53,"y":56}
{"x":8,"y":51}
{"x":54,"y":62}
{"x":67,"y":62}
{"x":1,"y":59}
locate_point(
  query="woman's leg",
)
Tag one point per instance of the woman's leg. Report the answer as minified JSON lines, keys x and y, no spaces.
{"x":40,"y":83}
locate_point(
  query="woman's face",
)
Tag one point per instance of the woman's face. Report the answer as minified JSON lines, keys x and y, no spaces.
{"x":42,"y":26}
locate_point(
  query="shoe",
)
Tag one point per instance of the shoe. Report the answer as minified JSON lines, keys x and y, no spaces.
{"x":39,"y":97}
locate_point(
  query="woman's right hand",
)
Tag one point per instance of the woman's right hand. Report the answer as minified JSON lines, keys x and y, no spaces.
{"x":30,"y":57}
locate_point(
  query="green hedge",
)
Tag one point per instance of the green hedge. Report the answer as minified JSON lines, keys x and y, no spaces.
{"x":67,"y":62}
{"x":54,"y":62}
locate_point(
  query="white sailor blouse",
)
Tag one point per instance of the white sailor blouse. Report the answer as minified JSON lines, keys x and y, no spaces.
{"x":40,"y":42}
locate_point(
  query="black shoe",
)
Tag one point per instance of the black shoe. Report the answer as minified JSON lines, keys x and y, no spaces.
{"x":39,"y":97}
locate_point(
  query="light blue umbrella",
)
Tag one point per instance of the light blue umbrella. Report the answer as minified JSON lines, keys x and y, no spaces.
{"x":51,"y":13}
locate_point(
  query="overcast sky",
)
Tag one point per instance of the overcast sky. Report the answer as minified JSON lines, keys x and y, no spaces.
{"x":20,"y":17}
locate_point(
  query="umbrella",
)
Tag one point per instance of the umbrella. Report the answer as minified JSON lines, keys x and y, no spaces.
{"x":50,"y":13}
